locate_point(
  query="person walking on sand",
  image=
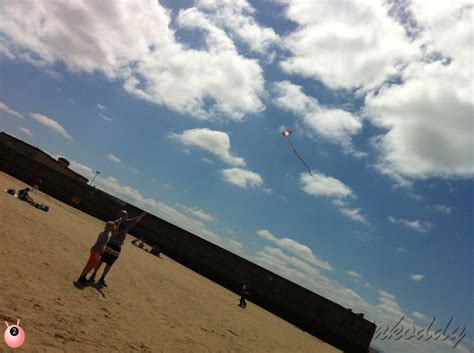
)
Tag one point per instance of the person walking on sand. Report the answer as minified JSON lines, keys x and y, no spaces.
{"x":114,"y":245}
{"x":96,"y":251}
{"x":244,"y":294}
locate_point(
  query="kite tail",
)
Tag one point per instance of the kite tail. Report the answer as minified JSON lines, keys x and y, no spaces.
{"x":299,"y":157}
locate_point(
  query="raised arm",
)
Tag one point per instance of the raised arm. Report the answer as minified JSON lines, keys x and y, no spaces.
{"x":141,"y":216}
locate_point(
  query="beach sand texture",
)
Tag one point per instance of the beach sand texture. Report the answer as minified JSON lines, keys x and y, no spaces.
{"x":150,"y":304}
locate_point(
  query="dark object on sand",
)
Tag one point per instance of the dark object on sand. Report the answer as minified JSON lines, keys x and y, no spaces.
{"x":11,"y":192}
{"x":42,"y":207}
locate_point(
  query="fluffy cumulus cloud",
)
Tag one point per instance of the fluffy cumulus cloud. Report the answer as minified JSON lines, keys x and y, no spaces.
{"x":134,"y":42}
{"x":5,"y":108}
{"x":212,"y":141}
{"x":243,"y":178}
{"x":319,"y":185}
{"x":51,"y":124}
{"x":300,"y":250}
{"x":160,"y":209}
{"x":428,"y":116}
{"x":416,"y":225}
{"x":334,"y":125}
{"x":237,"y":17}
{"x":350,"y":44}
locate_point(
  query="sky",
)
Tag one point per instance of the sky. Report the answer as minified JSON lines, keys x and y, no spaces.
{"x":180,"y":106}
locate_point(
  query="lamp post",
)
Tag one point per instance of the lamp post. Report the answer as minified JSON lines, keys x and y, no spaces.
{"x":95,"y":176}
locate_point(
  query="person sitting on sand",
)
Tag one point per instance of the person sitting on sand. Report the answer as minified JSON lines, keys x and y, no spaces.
{"x":24,"y":196}
{"x":114,"y":246}
{"x":155,"y":250}
{"x":138,"y":242}
{"x":96,"y":251}
{"x":243,"y":295}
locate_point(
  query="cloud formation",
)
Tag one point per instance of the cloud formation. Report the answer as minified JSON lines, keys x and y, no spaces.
{"x":350,"y":44}
{"x":301,"y":250}
{"x":334,"y":125}
{"x":134,"y":43}
{"x":416,"y":225}
{"x":8,"y":110}
{"x":51,"y":124}
{"x":243,"y":178}
{"x":212,"y":141}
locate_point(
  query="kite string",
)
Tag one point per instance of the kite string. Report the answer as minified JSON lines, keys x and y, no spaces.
{"x":175,"y":196}
{"x":299,"y":157}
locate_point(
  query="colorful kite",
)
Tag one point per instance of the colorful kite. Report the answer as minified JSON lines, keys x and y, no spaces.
{"x":287,"y":133}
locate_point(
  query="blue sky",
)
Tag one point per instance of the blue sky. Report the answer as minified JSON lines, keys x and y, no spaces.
{"x":180,"y":105}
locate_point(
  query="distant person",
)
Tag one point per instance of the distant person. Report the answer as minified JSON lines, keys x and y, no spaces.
{"x":155,"y":250}
{"x":244,"y":294}
{"x":138,"y":242}
{"x":24,"y":196}
{"x":96,"y":251}
{"x":37,"y":185}
{"x":114,"y":246}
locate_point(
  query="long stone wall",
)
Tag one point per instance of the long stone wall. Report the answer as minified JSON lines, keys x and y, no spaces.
{"x":303,"y":308}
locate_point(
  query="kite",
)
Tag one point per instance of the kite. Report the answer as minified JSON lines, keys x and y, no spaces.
{"x":287,"y":133}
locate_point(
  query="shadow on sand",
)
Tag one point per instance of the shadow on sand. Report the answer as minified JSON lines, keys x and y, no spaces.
{"x":98,"y":287}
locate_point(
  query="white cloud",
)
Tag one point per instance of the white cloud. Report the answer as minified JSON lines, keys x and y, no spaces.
{"x":355,"y":276}
{"x":114,"y":159}
{"x":162,"y":210}
{"x":51,"y":124}
{"x":350,"y":44}
{"x":294,"y":261}
{"x":236,"y":17}
{"x":102,"y":107}
{"x":428,"y":116}
{"x":401,"y":249}
{"x":8,"y":110}
{"x":319,"y":184}
{"x":296,"y":248}
{"x":334,"y":125}
{"x":355,"y":214}
{"x":419,"y":316}
{"x":105,"y":117}
{"x":416,"y":277}
{"x":242,"y":178}
{"x":416,"y":225}
{"x":212,"y":141}
{"x":198,"y":213}
{"x":135,"y":170}
{"x":442,"y":208}
{"x":26,"y":131}
{"x":135,"y":43}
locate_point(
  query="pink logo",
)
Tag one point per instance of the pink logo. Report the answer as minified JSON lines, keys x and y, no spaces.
{"x":14,"y":335}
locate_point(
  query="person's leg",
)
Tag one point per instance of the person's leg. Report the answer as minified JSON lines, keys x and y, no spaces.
{"x":96,"y":269}
{"x":102,"y":278}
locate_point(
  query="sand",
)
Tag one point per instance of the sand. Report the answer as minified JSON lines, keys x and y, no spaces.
{"x":150,"y":304}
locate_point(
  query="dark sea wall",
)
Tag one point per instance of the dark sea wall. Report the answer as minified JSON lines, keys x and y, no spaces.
{"x":312,"y":313}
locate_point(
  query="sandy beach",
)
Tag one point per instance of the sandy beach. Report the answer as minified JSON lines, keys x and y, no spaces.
{"x":150,"y":305}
